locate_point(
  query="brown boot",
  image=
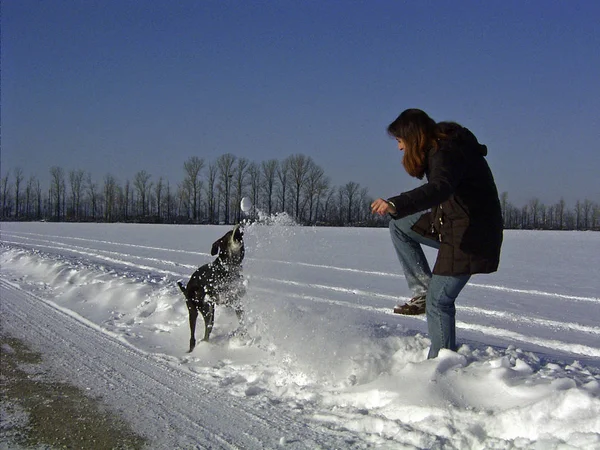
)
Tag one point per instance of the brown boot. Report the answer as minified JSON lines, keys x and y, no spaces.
{"x":414,"y":307}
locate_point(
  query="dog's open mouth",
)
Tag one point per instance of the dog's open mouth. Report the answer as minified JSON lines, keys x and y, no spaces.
{"x":236,"y":242}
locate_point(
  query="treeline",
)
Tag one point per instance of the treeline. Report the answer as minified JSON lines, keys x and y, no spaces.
{"x":210,"y":193}
{"x":535,"y":215}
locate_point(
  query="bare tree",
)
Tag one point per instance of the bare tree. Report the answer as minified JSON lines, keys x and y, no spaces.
{"x":18,"y":180}
{"x":254,"y":174}
{"x":220,"y":196}
{"x":350,"y":191}
{"x":225,"y":164}
{"x":193,"y":166}
{"x":240,"y":180}
{"x":543,"y":219}
{"x":142,"y":184}
{"x":363,"y":205}
{"x":587,"y":209}
{"x":121,"y":203}
{"x":551,"y":217}
{"x":57,"y":188}
{"x":504,"y":206}
{"x":76,"y":183}
{"x":92,"y":191}
{"x":560,"y":214}
{"x":578,"y":214}
{"x":38,"y":197}
{"x":596,"y":217}
{"x":169,"y":202}
{"x":30,"y":193}
{"x":340,"y":205}
{"x":110,"y":196}
{"x":211,"y":200}
{"x":328,"y":205}
{"x":314,"y":187}
{"x":299,"y":170}
{"x":182,"y":201}
{"x":127,"y":204}
{"x":283,"y":174}
{"x":534,"y":207}
{"x":158,"y":193}
{"x":322,"y":193}
{"x":6,"y":188}
{"x":269,"y":172}
{"x":521,"y":218}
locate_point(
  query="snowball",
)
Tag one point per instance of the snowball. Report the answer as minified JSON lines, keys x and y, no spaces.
{"x":246,"y":204}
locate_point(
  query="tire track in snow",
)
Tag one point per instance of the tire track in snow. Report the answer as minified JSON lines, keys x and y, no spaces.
{"x":502,"y":315}
{"x":99,"y":241}
{"x":94,"y":254}
{"x":99,"y":254}
{"x":552,"y":344}
{"x":279,"y":262}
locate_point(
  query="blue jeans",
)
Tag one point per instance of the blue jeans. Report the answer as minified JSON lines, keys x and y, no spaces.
{"x":441,"y":290}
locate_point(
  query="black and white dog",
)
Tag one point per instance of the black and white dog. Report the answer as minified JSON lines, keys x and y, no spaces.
{"x":220,"y":282}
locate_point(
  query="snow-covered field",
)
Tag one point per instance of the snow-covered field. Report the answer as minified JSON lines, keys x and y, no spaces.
{"x":325,"y":363}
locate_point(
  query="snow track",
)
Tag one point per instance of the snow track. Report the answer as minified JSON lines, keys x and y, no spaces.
{"x":173,"y":408}
{"x":42,"y":242}
{"x":486,"y":319}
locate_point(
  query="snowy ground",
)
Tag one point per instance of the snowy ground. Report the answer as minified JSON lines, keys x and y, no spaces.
{"x":325,"y":364}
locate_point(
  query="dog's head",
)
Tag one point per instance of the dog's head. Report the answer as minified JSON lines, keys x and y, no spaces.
{"x":230,"y":247}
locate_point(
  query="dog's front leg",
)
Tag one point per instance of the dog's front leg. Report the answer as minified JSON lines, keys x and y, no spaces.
{"x":193,"y":313}
{"x":208,"y":313}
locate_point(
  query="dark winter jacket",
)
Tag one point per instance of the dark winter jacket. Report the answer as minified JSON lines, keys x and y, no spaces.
{"x":465,"y":214}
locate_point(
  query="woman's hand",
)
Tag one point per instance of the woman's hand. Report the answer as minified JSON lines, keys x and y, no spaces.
{"x":382,"y":207}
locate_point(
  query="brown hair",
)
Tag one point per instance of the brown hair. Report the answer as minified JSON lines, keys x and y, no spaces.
{"x":420,"y":134}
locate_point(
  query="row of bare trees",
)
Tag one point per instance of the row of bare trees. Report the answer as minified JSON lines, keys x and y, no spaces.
{"x":208,"y":193}
{"x":211,"y":193}
{"x":535,"y":215}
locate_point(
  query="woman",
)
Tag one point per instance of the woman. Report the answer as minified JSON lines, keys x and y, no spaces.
{"x":464,"y":224}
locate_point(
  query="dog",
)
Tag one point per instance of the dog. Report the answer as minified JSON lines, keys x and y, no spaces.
{"x":217,"y":283}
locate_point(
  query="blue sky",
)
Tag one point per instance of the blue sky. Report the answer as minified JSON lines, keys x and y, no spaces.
{"x":119,"y":86}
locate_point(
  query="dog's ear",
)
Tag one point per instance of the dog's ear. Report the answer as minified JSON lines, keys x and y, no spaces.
{"x":215,"y":247}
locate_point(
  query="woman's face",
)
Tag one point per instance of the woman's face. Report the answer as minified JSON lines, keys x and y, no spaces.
{"x":401,"y":144}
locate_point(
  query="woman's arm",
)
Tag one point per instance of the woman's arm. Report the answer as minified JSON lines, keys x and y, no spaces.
{"x":446,"y":169}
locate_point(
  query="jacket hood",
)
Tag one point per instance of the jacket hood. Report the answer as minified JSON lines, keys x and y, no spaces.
{"x":462,"y":136}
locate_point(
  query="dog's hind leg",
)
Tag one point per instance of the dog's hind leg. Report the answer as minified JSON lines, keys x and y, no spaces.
{"x":208,"y":313}
{"x":193,"y":312}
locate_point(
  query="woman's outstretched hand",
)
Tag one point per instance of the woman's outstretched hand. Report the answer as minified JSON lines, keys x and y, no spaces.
{"x":382,"y":207}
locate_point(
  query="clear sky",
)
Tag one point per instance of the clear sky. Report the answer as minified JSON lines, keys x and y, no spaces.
{"x":119,"y":86}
